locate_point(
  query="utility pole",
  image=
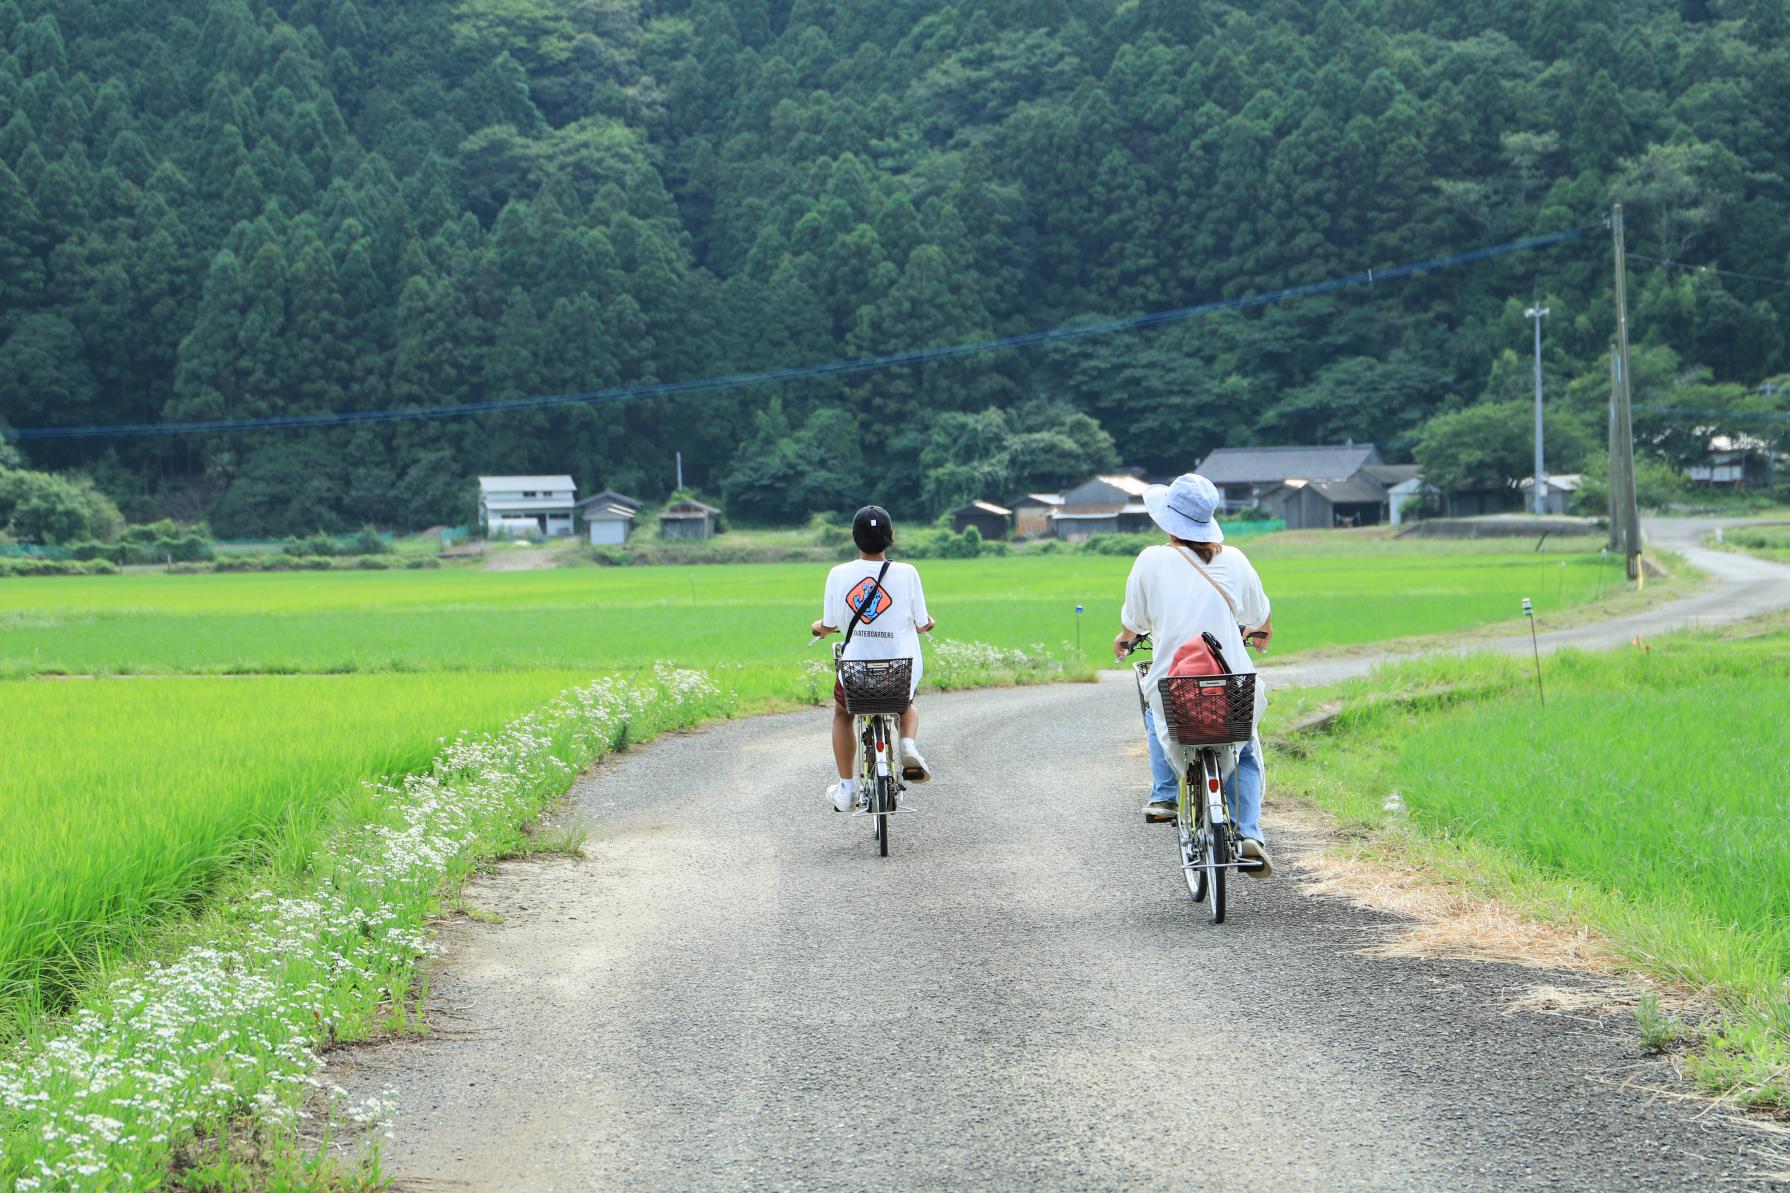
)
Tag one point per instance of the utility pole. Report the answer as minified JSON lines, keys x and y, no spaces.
{"x":1538,"y":313}
{"x":680,"y":472}
{"x":1625,"y":515}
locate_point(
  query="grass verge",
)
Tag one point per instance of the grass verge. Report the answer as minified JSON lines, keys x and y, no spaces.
{"x":220,"y":1040}
{"x":1646,"y":800}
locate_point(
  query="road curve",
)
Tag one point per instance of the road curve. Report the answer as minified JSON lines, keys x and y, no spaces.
{"x":733,"y":993}
{"x":1740,"y":587}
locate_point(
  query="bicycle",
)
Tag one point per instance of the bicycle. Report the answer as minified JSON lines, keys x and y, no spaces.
{"x":877,"y":692}
{"x":1212,"y":717}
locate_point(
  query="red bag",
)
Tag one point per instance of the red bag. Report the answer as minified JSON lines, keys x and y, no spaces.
{"x":1199,"y":656}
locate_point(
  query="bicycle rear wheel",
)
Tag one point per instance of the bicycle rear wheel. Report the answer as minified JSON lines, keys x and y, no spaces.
{"x":1218,"y":853}
{"x":1187,"y":831}
{"x":885,"y":804}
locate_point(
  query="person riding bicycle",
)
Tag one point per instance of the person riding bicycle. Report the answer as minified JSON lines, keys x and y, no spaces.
{"x":884,"y":607}
{"x":1176,"y":592}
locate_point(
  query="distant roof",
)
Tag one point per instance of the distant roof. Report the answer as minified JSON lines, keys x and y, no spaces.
{"x":1265,"y":465}
{"x":489,"y":483}
{"x":1392,"y":474}
{"x":498,"y":505}
{"x":608,"y":513}
{"x":1097,"y":511}
{"x":1134,"y":485}
{"x":1041,"y":499}
{"x":1350,"y":491}
{"x":984,"y":507}
{"x":611,"y":497}
{"x":1566,"y":482}
{"x":688,"y":508}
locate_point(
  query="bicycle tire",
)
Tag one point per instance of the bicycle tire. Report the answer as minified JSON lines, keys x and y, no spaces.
{"x":1187,"y":830}
{"x":885,"y":798}
{"x":1220,"y":853}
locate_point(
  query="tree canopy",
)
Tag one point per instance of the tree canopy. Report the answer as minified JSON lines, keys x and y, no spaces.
{"x":224,"y":209}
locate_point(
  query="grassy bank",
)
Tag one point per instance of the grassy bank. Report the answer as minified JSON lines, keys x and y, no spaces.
{"x":1767,"y":542}
{"x":1646,"y":799}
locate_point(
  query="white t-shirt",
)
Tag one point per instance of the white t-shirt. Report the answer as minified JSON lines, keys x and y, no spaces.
{"x":890,"y":627}
{"x":1237,"y":576}
{"x":1166,"y":598}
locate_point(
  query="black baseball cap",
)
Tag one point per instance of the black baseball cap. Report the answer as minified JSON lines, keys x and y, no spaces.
{"x":872,"y":529}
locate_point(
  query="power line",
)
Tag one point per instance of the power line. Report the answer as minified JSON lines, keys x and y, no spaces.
{"x":1667,"y":263}
{"x":837,"y":368}
{"x":1729,"y":415}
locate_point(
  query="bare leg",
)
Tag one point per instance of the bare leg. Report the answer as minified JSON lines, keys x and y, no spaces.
{"x":845,"y":745}
{"x":910,"y":722}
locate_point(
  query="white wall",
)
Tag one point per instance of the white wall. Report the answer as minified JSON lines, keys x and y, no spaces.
{"x":609,"y":533}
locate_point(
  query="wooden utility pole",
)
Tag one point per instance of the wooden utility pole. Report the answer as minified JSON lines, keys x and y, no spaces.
{"x":1625,"y":514}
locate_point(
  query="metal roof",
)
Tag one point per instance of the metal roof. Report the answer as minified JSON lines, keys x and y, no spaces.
{"x":689,"y":508}
{"x":1134,"y":485}
{"x":488,"y":484}
{"x":1265,"y":465}
{"x":1041,"y":499}
{"x":611,"y":497}
{"x":557,"y":505}
{"x":609,"y":513}
{"x":1075,"y":513}
{"x":983,"y":507}
{"x":1354,"y":490}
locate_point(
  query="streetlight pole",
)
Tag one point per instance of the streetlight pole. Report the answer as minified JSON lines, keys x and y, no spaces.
{"x":1538,"y":313}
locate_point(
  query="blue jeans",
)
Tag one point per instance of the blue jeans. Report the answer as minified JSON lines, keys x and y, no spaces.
{"x":1243,"y":791}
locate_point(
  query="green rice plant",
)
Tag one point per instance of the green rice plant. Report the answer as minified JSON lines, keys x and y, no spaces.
{"x":754,"y":615}
{"x":126,"y":801}
{"x":1648,"y":798}
{"x":229,"y":1027}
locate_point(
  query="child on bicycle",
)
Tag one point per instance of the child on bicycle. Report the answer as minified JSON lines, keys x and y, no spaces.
{"x":883,"y":609}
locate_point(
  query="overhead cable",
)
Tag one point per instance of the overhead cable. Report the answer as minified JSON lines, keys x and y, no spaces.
{"x":776,"y":376}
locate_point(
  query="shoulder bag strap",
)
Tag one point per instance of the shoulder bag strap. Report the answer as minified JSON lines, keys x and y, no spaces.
{"x":1228,"y":603}
{"x":858,"y":613}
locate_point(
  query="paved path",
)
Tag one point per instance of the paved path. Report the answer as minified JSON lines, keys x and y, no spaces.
{"x":1741,"y":587}
{"x":1021,"y":997}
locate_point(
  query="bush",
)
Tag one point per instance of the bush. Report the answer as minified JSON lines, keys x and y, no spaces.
{"x":372,"y":563}
{"x":1119,"y":544}
{"x":367,"y":541}
{"x":31,"y":566}
{"x":422,"y":561}
{"x":318,"y":545}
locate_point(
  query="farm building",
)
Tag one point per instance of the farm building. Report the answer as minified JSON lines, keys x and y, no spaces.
{"x":1736,"y":462}
{"x":989,"y":519}
{"x":1110,"y":504}
{"x":547,"y":501}
{"x":1559,"y":495}
{"x":609,"y":517}
{"x":688,"y":519}
{"x":1322,"y":505}
{"x":1031,"y":514}
{"x":1244,"y":475}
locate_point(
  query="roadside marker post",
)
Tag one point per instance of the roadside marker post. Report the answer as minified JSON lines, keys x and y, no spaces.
{"x":1535,"y":644}
{"x":1078,"y":631}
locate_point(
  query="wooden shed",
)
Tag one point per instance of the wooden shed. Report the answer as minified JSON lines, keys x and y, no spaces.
{"x":989,"y":519}
{"x":688,"y":519}
{"x":1031,"y":514}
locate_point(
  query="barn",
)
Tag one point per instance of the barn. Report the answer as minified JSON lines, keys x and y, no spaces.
{"x":989,"y":519}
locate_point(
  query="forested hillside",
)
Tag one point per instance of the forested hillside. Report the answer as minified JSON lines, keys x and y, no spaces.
{"x":217,"y":208}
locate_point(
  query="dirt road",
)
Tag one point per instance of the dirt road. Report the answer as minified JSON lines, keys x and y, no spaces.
{"x":733,"y":993}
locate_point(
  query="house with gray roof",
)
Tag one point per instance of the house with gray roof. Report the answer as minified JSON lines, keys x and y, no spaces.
{"x":1244,"y":474}
{"x":507,"y":502}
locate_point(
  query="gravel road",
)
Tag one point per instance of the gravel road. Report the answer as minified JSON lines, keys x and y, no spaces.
{"x":734,"y":993}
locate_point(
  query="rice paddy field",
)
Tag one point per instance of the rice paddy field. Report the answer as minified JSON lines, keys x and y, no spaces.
{"x":232,"y":719}
{"x":752,"y":616}
{"x":1647,"y":798}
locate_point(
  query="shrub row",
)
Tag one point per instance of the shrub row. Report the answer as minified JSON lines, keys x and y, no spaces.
{"x":186,"y":548}
{"x":57,"y":567}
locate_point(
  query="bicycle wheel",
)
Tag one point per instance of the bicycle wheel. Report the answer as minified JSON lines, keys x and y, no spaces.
{"x":1219,"y":856}
{"x":1188,"y":831}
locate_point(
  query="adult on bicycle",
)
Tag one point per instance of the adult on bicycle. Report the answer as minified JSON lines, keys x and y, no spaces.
{"x":884,"y":607}
{"x":1174,"y":596}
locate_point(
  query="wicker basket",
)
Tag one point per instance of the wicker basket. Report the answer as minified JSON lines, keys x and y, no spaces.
{"x":876,"y":685}
{"x":1209,"y":710}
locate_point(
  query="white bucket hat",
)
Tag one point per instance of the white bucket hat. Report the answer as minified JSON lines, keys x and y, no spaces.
{"x":1185,"y":508}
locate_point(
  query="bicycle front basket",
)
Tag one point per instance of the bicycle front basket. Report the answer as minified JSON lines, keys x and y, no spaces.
{"x":1209,"y":710}
{"x":876,"y":685}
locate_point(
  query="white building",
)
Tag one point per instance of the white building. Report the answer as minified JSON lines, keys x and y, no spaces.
{"x":609,"y":517}
{"x":1559,"y":494}
{"x":547,"y":501}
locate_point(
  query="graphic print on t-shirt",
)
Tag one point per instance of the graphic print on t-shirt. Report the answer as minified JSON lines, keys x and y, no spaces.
{"x":856,"y":598}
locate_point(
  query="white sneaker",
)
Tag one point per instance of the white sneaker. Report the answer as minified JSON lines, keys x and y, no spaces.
{"x":913,"y":763}
{"x":839,"y":799}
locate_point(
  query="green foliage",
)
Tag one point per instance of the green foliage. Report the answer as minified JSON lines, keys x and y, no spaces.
{"x":44,"y":507}
{"x":241,"y":212}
